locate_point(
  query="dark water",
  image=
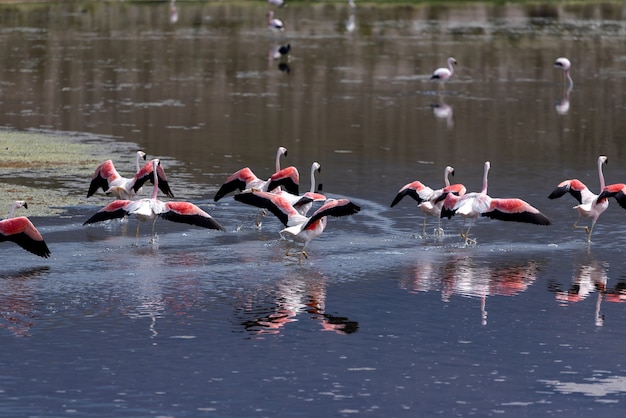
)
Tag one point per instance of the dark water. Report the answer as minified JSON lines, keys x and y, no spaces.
{"x":379,"y":320}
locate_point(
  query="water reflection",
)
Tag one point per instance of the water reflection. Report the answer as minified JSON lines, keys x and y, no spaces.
{"x":464,"y":276}
{"x":18,"y":300}
{"x":173,"y":12}
{"x":270,"y":311}
{"x":443,"y":111}
{"x":590,"y":276}
{"x":562,"y":107}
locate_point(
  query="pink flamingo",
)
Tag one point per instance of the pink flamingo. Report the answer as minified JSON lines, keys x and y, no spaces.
{"x":302,"y":203}
{"x":472,"y":205}
{"x":589,"y":205}
{"x":298,"y":227}
{"x":21,"y":231}
{"x":443,"y":74}
{"x":107,"y":178}
{"x":565,"y":65}
{"x":274,"y":23}
{"x":245,"y":179}
{"x":617,"y":190}
{"x":428,"y":200}
{"x":152,"y":208}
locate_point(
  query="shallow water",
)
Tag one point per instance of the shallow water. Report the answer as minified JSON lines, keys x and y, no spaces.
{"x":380,"y":320}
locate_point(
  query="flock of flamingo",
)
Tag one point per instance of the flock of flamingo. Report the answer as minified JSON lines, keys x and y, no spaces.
{"x":279,"y":194}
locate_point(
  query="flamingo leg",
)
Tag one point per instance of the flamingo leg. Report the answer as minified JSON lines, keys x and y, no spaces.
{"x":466,"y":234}
{"x":424,"y":227}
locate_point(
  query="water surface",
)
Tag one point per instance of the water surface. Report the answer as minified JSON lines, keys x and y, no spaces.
{"x":380,"y":320}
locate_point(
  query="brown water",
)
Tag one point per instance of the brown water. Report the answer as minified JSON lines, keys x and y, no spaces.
{"x":379,"y":320}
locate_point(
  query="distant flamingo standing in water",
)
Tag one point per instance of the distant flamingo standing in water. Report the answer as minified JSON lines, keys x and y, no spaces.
{"x":565,"y":65}
{"x":273,"y":23}
{"x":590,"y":205}
{"x":298,"y":227}
{"x":427,"y":198}
{"x":472,"y":205}
{"x":443,"y":74}
{"x":152,"y":208}
{"x":21,"y":231}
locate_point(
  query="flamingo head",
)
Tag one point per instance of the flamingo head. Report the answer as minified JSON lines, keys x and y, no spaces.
{"x":317,"y":167}
{"x":563,"y":63}
{"x":282,"y":151}
{"x":141,"y":154}
{"x":451,"y":61}
{"x":603,"y":159}
{"x":450,"y":170}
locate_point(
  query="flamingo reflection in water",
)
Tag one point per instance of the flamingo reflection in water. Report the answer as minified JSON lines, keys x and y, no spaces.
{"x":287,"y":301}
{"x":443,"y":111}
{"x":463,"y":276}
{"x":18,"y":301}
{"x":589,"y":277}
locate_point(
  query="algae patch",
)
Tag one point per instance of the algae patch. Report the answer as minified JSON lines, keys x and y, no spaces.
{"x":52,"y":170}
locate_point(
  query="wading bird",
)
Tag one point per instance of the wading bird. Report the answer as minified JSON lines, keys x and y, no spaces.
{"x":273,"y":23}
{"x":21,"y":231}
{"x":152,"y":208}
{"x":245,"y":179}
{"x":299,"y":228}
{"x":428,"y":199}
{"x":302,"y":203}
{"x":565,"y":65}
{"x":472,"y":205}
{"x":589,"y":205}
{"x":109,"y":180}
{"x":443,"y":74}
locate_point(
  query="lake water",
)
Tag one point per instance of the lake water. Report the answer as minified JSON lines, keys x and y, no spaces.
{"x":380,"y":320}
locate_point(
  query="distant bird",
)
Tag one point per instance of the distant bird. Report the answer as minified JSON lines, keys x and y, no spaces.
{"x":109,"y":180}
{"x":152,"y":208}
{"x":21,"y":231}
{"x":278,"y":3}
{"x":427,"y":198}
{"x":273,"y":23}
{"x":302,"y":203}
{"x":443,"y":74}
{"x":244,"y":179}
{"x":173,"y":12}
{"x":590,"y":205}
{"x":472,"y":205}
{"x":565,"y":65}
{"x":298,"y":227}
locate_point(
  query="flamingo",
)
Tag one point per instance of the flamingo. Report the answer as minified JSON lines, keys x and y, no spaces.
{"x":245,"y":179}
{"x":280,"y":52}
{"x":150,"y":209}
{"x":273,"y":23}
{"x":590,"y":205}
{"x":277,"y":3}
{"x":443,"y":74}
{"x":107,"y":178}
{"x":618,"y":191}
{"x":298,"y":227}
{"x":565,"y":65}
{"x":427,"y":198}
{"x":21,"y":231}
{"x":472,"y":205}
{"x":304,"y":202}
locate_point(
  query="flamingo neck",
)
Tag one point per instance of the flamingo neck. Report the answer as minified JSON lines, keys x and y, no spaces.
{"x":14,"y":206}
{"x":313,"y":178}
{"x":137,"y":162}
{"x":445,"y":177}
{"x":155,"y":191}
{"x":450,"y":67}
{"x":486,"y":173}
{"x":569,"y":79}
{"x":278,"y":160}
{"x":601,"y":175}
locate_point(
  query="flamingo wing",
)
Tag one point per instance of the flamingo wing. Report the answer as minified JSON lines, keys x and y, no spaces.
{"x":146,"y":174}
{"x":450,"y":200}
{"x":618,"y":191}
{"x":103,"y":177}
{"x":188,"y":213}
{"x":417,"y":190}
{"x":114,"y":210}
{"x":237,"y":181}
{"x":288,"y":178}
{"x":339,"y":207}
{"x":276,"y":204}
{"x":21,"y":231}
{"x":574,"y":187}
{"x":515,"y":210}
